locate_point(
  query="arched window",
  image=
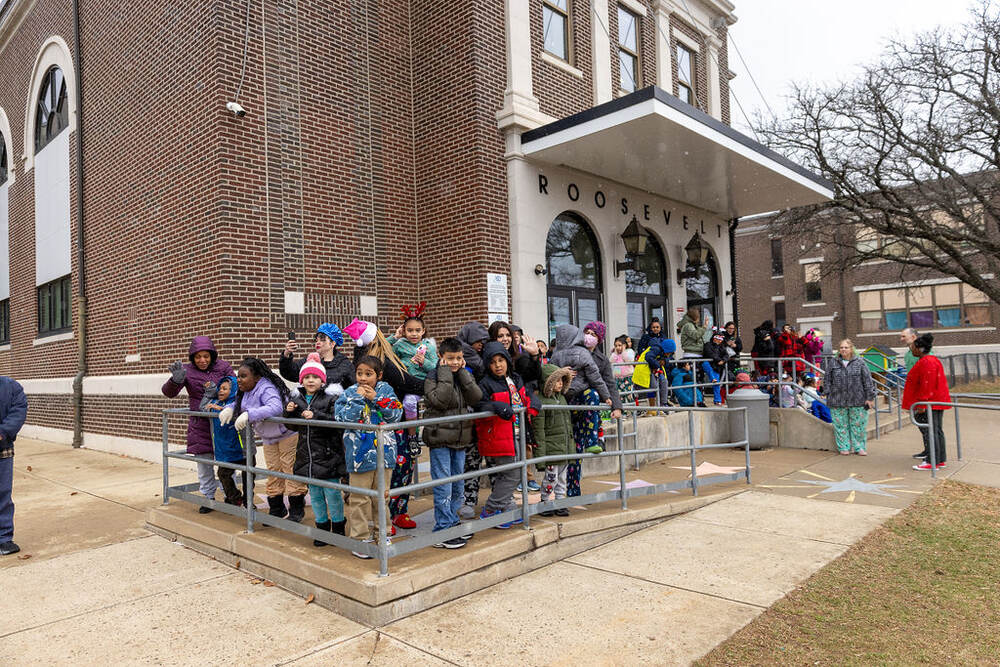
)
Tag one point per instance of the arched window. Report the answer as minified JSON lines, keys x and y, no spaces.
{"x":3,"y":161}
{"x":703,"y":290}
{"x":646,"y":289}
{"x":52,"y":110}
{"x":574,"y":273}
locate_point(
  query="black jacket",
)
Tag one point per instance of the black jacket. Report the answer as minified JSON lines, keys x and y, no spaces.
{"x":761,"y":347}
{"x":339,"y":370}
{"x":402,"y":383}
{"x":447,"y":394}
{"x":320,"y":452}
{"x":717,"y":354}
{"x":473,"y":332}
{"x":608,"y":374}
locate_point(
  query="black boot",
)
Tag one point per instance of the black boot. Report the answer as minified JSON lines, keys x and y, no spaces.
{"x":296,"y":508}
{"x":337,"y":527}
{"x":277,"y":504}
{"x":321,"y":526}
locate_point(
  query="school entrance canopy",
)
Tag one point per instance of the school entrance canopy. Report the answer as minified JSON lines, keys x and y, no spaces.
{"x":653,"y":141}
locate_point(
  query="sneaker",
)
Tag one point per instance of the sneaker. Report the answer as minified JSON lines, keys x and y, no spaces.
{"x":404,"y":521}
{"x":926,"y":466}
{"x":204,"y":510}
{"x":562,"y":511}
{"x":547,"y":513}
{"x":594,"y":449}
{"x":467,"y":512}
{"x":920,"y":455}
{"x":520,"y":488}
{"x":8,"y":548}
{"x":533,"y":485}
{"x":453,"y":543}
{"x":486,"y":515}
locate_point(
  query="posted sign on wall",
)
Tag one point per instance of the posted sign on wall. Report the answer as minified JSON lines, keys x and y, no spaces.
{"x":496,"y":297}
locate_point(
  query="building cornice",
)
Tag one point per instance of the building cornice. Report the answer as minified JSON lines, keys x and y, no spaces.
{"x":12,"y":13}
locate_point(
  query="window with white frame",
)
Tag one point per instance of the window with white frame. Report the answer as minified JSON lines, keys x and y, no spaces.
{"x":555,"y":27}
{"x":628,"y":50}
{"x":686,"y":68}
{"x":923,"y":307}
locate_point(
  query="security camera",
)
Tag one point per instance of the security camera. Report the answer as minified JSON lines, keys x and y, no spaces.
{"x":236,"y":109}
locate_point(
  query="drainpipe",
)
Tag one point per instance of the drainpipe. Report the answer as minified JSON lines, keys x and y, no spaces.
{"x":733,"y":224}
{"x":81,"y":295}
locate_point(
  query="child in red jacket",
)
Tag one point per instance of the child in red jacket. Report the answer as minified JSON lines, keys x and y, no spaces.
{"x":497,"y":436}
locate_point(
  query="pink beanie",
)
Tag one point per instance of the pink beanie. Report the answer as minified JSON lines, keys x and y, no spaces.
{"x":361,"y":332}
{"x":313,"y":366}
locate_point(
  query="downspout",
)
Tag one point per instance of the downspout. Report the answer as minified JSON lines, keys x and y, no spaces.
{"x":733,"y":224}
{"x":81,"y":282}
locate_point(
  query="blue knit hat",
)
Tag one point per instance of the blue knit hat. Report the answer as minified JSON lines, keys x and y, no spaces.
{"x":331,"y":331}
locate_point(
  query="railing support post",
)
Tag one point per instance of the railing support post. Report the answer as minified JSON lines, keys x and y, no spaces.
{"x":621,"y":463}
{"x":250,"y":450}
{"x":383,"y":528}
{"x":958,"y":435}
{"x":931,"y":446}
{"x":166,"y":473}
{"x":523,"y":447}
{"x":746,"y":437}
{"x":694,"y":459}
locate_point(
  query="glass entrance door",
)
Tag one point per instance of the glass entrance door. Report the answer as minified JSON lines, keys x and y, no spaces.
{"x":574,"y":273}
{"x":645,"y":287}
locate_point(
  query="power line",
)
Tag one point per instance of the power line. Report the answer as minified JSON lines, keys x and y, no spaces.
{"x":246,"y":48}
{"x":750,"y":73}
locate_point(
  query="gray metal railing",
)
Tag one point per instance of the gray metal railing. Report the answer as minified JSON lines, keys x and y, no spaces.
{"x":383,"y":549}
{"x":928,"y":407}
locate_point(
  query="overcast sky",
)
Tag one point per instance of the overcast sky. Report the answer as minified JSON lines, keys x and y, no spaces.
{"x":819,"y":41}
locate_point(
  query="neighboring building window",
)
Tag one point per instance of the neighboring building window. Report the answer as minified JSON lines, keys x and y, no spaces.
{"x":5,"y":322}
{"x":628,"y":50}
{"x":3,"y":161}
{"x":923,"y":307}
{"x":813,"y":273}
{"x":777,"y":261}
{"x":685,"y":74}
{"x":779,"y":314}
{"x":52,"y":113}
{"x":555,"y":22}
{"x":54,"y":307}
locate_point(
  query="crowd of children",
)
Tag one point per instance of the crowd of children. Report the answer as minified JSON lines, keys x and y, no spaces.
{"x":498,"y":370}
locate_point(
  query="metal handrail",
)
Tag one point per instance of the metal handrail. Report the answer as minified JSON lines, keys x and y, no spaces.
{"x":382,"y":549}
{"x":932,"y":451}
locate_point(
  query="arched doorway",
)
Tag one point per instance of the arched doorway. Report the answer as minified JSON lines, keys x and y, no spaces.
{"x":574,"y":273}
{"x":646,"y":289}
{"x":703,"y":290}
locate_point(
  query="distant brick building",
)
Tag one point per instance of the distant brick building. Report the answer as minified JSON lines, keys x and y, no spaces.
{"x":790,"y":280}
{"x":485,"y":157}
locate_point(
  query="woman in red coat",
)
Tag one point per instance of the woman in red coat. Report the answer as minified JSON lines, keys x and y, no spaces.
{"x":926,"y":382}
{"x":790,"y":345}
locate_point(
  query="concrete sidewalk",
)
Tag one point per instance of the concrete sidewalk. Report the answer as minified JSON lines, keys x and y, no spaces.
{"x":98,"y":588}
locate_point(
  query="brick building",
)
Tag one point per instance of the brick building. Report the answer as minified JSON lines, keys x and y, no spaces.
{"x":485,"y":157}
{"x":791,"y":280}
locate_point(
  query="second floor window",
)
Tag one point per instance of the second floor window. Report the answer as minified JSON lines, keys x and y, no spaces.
{"x":54,"y":307}
{"x":628,"y":50}
{"x":52,"y":112}
{"x":5,"y":322}
{"x":555,"y":27}
{"x":777,"y":260}
{"x":685,"y":74}
{"x":814,"y":290}
{"x":3,"y":161}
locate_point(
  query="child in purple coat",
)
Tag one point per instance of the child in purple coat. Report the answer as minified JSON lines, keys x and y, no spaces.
{"x":206,"y":368}
{"x":262,"y":394}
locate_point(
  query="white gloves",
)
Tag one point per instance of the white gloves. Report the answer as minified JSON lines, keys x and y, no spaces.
{"x":225,"y":415}
{"x":334,"y":389}
{"x":241,"y":421}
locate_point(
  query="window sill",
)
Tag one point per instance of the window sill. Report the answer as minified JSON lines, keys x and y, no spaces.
{"x":814,"y":304}
{"x":53,"y":338}
{"x":896,"y":332}
{"x":559,"y":63}
{"x":777,"y":277}
{"x":5,"y":347}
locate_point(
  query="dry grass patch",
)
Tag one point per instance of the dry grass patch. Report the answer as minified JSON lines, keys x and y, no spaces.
{"x":983,"y":387}
{"x":922,"y":589}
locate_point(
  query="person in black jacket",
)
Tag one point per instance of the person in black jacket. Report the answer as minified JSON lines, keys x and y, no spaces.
{"x":473,"y":336}
{"x":320,"y":450}
{"x":526,"y":363}
{"x":339,"y":369}
{"x":715,"y":366}
{"x":765,"y":345}
{"x":734,"y":347}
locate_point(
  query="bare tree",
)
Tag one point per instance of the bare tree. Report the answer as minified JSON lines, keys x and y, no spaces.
{"x":912,"y":147}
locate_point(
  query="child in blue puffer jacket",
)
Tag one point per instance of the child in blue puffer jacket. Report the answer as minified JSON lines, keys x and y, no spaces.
{"x":370,"y":401}
{"x":224,"y":438}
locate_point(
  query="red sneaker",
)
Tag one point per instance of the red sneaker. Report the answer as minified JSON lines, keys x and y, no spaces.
{"x":392,"y":530}
{"x":404,"y":521}
{"x":927,"y":466}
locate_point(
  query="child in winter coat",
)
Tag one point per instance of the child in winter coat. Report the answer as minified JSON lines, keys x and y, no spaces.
{"x":320,"y":453}
{"x":225,"y":440}
{"x":683,"y":374}
{"x":449,"y":391}
{"x":370,"y":401}
{"x":205,"y":367}
{"x":497,"y":436}
{"x":623,"y":374}
{"x":654,"y":368}
{"x":262,"y":394}
{"x":554,"y":434}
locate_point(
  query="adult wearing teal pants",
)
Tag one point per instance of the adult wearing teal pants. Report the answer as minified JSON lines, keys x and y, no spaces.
{"x":850,"y":394}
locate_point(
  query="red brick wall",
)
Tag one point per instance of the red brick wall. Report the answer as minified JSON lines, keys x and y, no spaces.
{"x":559,"y":93}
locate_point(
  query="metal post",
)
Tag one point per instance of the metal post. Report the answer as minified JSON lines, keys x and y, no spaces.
{"x":382,"y":526}
{"x":965,"y":367}
{"x":958,"y":435}
{"x":951,"y":367}
{"x":621,"y":463}
{"x":522,"y":446}
{"x":694,"y":462}
{"x":250,"y":450}
{"x":166,"y":473}
{"x":876,"y":416}
{"x":930,"y":439}
{"x":746,"y":436}
{"x":635,"y":438}
{"x":899,"y":407}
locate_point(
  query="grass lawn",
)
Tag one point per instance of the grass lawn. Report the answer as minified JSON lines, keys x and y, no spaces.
{"x":922,"y":589}
{"x":977,"y":388}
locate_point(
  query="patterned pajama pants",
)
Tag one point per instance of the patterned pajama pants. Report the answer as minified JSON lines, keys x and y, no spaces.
{"x":402,"y":474}
{"x":586,"y":424}
{"x":850,"y":428}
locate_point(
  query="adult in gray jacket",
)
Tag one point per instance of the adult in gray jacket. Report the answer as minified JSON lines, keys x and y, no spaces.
{"x":850,"y":393}
{"x":598,"y":330}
